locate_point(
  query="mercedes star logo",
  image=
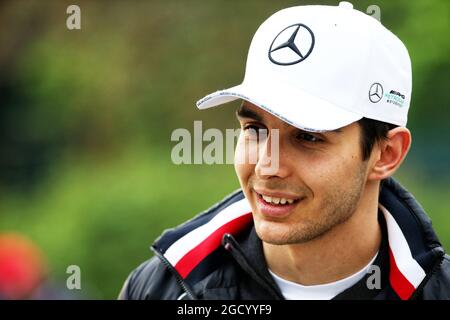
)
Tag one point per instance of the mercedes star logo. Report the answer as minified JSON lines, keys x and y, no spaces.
{"x":292,"y":45}
{"x":375,"y":92}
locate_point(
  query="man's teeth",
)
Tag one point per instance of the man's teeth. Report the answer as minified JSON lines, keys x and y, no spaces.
{"x":277,"y":200}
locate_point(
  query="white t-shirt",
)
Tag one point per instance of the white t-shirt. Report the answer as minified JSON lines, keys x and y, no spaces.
{"x":295,"y":291}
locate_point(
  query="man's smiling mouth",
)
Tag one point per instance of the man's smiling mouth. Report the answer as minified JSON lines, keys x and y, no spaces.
{"x":276,"y":205}
{"x":275,"y":198}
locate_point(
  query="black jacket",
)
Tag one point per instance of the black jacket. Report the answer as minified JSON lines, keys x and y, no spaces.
{"x":217,"y":255}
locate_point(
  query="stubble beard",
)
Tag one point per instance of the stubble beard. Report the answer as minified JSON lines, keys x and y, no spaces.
{"x":337,"y":208}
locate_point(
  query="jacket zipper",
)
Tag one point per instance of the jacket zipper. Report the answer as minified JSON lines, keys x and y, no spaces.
{"x":231,"y":245}
{"x":177,"y":276}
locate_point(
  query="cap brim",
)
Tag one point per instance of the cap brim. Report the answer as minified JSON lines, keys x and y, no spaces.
{"x":293,"y":106}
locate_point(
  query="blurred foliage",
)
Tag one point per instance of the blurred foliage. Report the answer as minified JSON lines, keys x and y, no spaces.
{"x":86,"y":118}
{"x":104,"y":216}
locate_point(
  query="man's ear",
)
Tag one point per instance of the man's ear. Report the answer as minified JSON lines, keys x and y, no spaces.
{"x":390,"y":153}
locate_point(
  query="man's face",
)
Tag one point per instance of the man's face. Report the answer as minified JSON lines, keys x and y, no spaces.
{"x":320,"y":177}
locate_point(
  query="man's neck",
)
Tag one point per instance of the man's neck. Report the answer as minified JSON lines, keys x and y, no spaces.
{"x":339,"y":253}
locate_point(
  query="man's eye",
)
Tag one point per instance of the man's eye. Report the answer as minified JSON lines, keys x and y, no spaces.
{"x":308,"y":137}
{"x":251,"y":129}
{"x":255,"y":131}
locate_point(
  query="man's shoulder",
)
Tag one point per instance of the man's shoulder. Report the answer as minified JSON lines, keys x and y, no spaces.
{"x":231,"y":206}
{"x":151,"y":280}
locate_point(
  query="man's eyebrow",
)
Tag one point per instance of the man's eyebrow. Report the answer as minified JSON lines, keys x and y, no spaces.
{"x":245,"y":112}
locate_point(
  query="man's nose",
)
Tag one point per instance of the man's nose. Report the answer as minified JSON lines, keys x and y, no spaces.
{"x":270,"y":162}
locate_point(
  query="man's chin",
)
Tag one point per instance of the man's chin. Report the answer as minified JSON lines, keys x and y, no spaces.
{"x":277,"y":233}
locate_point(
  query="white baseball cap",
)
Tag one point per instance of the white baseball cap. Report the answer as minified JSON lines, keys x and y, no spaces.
{"x":320,"y":68}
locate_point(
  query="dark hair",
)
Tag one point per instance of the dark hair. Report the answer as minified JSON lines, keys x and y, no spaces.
{"x":372,"y":131}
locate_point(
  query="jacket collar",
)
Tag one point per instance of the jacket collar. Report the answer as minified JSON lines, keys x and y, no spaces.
{"x":194,"y":249}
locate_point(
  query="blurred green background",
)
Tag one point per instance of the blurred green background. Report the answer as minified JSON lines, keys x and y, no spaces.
{"x":86,"y":118}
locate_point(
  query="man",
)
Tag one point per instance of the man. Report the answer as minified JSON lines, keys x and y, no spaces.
{"x":332,"y":86}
